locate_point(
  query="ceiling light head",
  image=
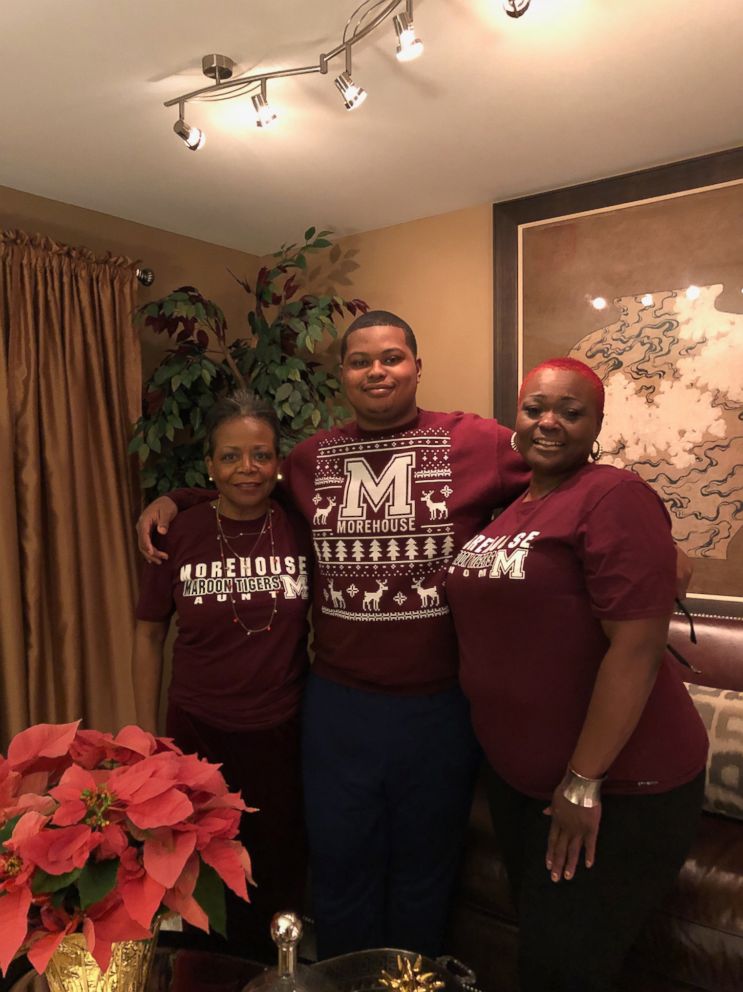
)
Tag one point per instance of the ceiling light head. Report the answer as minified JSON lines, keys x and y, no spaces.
{"x":515,"y":8}
{"x":264,"y":114}
{"x":353,"y":95}
{"x":599,"y":303}
{"x":408,"y":46}
{"x":194,"y":137}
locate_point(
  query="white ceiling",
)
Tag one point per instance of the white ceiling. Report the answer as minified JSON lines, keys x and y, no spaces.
{"x":495,"y":108}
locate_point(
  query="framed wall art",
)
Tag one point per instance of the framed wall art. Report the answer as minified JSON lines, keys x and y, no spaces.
{"x":641,"y":276}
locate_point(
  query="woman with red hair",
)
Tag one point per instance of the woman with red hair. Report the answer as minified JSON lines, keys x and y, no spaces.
{"x":573,"y":696}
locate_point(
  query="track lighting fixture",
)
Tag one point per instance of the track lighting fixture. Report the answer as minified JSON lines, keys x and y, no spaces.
{"x":264,"y":115}
{"x":194,"y":137}
{"x":515,"y":8}
{"x":353,"y":95}
{"x":366,"y":18}
{"x":408,"y":46}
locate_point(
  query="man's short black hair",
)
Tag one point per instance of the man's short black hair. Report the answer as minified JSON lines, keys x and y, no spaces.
{"x":380,"y":318}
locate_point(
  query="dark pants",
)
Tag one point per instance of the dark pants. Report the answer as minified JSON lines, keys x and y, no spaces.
{"x":264,"y":765}
{"x":574,"y":936}
{"x":388,"y":788}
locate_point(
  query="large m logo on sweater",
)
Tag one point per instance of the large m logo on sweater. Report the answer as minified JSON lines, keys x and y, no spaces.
{"x":391,"y":488}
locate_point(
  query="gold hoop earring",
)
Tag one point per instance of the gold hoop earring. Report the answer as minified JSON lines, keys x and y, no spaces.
{"x":514,"y":445}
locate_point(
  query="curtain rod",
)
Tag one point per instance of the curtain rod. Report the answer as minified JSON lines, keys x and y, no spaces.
{"x":146,"y":276}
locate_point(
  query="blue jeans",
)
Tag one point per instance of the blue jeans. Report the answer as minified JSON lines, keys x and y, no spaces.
{"x":388,"y":787}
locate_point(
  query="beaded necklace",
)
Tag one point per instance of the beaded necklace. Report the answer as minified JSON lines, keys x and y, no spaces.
{"x":223,"y":543}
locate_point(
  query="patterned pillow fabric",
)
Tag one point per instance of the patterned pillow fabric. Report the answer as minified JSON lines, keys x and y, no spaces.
{"x":722,"y":713}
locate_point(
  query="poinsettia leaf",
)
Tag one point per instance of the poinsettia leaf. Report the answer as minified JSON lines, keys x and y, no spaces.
{"x":209,"y":894}
{"x":42,"y":881}
{"x":96,"y":880}
{"x":7,"y":829}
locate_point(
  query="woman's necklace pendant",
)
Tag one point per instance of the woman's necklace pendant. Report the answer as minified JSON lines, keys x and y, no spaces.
{"x":222,"y":543}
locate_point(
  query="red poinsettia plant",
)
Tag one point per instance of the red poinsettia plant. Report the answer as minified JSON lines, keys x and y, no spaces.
{"x":106,"y":834}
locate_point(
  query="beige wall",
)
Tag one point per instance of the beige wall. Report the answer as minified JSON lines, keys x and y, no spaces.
{"x":437,"y":274}
{"x":176,"y":260}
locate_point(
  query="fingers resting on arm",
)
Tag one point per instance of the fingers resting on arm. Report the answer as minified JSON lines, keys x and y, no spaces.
{"x":157,"y":515}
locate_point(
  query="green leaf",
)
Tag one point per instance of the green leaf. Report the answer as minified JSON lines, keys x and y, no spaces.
{"x":322,"y":243}
{"x":161,"y":374}
{"x":315,"y":417}
{"x":7,"y":828}
{"x":284,"y":391}
{"x":309,"y":233}
{"x":44,"y":882}
{"x":96,"y":880}
{"x":175,"y":382}
{"x":144,"y":454}
{"x":209,"y":894}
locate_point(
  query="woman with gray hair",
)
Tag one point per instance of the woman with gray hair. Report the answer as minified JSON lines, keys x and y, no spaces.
{"x":237,"y":577}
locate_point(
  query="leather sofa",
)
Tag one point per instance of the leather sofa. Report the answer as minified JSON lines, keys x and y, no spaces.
{"x":695,"y":940}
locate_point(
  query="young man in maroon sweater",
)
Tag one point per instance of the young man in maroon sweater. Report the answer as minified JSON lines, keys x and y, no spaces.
{"x":389,"y":756}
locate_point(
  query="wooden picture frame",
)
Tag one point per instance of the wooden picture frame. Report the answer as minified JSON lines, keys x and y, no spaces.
{"x":638,"y":202}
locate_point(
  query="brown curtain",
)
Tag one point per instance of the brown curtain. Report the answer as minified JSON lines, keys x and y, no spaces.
{"x":70,"y":383}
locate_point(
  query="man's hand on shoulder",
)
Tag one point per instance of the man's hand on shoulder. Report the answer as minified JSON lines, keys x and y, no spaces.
{"x":158,"y":515}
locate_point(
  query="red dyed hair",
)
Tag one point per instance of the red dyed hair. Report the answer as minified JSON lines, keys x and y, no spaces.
{"x":571,"y":365}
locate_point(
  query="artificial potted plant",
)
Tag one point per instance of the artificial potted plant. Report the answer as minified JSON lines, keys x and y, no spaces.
{"x":278,"y":362}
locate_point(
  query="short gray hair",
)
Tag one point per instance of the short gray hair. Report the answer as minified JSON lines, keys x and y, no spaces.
{"x":240,"y":403}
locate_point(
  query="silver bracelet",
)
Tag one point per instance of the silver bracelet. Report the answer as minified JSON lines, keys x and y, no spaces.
{"x":581,"y":791}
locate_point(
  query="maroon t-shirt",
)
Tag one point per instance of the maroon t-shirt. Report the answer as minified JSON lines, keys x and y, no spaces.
{"x":220,"y":675}
{"x":388,"y":511}
{"x":528,"y":595}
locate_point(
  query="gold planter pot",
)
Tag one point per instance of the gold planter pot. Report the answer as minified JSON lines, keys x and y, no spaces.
{"x":73,"y":969}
